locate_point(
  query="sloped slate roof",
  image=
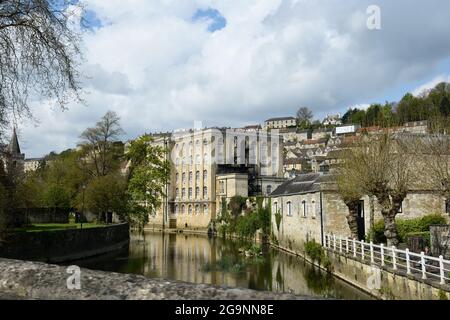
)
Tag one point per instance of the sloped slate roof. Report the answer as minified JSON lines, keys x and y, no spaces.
{"x":304,"y":183}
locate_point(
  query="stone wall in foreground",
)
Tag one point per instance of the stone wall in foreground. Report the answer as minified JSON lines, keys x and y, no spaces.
{"x":34,"y":280}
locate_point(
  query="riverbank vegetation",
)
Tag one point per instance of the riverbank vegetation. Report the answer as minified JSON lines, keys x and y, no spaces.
{"x":244,"y":217}
{"x":98,"y":178}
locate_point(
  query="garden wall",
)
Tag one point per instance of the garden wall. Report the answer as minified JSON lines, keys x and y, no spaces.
{"x":64,"y":245}
{"x":41,"y":215}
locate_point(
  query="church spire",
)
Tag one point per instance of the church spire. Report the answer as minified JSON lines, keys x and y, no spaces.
{"x":14,"y":148}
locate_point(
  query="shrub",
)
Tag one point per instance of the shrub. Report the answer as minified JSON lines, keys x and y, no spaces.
{"x":407,"y":227}
{"x":314,"y":251}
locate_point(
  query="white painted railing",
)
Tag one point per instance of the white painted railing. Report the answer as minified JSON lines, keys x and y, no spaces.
{"x":403,"y":260}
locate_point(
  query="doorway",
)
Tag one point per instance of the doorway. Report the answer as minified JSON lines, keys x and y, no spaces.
{"x":361,"y":222}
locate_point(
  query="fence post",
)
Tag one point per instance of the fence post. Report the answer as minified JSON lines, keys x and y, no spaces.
{"x":441,"y":269}
{"x":422,"y":261}
{"x":346,"y":244}
{"x":372,"y":260}
{"x":408,"y":267}
{"x":394,"y":259}
{"x":354,"y":247}
{"x":362,"y":249}
{"x":382,"y":254}
{"x":334,"y":242}
{"x":340,"y":244}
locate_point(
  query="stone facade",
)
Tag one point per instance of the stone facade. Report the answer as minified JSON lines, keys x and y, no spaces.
{"x":204,"y":160}
{"x":326,"y":212}
{"x":279,"y":123}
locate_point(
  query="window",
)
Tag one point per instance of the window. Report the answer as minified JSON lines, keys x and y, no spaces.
{"x":275,"y":207}
{"x":197,"y":176}
{"x":197,"y":159}
{"x":190,"y":193}
{"x":269,"y":189}
{"x":197,"y":192}
{"x":190,"y":209}
{"x":205,"y":209}
{"x":222,"y":186}
{"x":190,"y":177}
{"x":176,"y":209}
{"x":183,"y":177}
{"x":183,"y":193}
{"x":197,"y":209}
{"x":183,"y":209}
{"x":305,"y":209}
{"x":205,"y":175}
{"x":177,"y":192}
{"x":315,"y":209}
{"x":205,"y":192}
{"x":289,"y":209}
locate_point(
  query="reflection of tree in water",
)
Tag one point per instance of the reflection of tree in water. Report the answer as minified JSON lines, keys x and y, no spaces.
{"x":319,"y":282}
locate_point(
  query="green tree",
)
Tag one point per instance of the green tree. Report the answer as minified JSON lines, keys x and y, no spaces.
{"x":103,"y":153}
{"x":148,"y":176}
{"x":105,"y":194}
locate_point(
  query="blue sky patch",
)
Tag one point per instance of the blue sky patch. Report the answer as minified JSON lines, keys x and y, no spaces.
{"x":217,"y":21}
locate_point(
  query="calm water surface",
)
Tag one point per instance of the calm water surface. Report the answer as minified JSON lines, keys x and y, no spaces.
{"x":198,"y":259}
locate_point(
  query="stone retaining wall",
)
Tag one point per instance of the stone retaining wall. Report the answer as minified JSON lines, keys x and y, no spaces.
{"x":34,"y":280}
{"x":64,"y":245}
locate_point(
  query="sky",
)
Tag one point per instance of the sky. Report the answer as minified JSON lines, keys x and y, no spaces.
{"x":163,"y":64}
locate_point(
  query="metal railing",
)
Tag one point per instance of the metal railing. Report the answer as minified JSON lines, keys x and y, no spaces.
{"x":398,"y":260}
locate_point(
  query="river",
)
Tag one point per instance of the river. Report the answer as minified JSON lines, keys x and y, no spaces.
{"x":199,"y":259}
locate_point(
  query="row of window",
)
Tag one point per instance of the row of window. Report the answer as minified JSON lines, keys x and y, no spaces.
{"x":223,"y":191}
{"x":191,"y":209}
{"x":190,"y":160}
{"x":305,"y":209}
{"x":190,"y":195}
{"x":197,"y":176}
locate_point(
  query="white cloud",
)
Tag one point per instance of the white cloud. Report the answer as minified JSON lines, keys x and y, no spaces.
{"x":431,"y":84}
{"x":160,"y":70}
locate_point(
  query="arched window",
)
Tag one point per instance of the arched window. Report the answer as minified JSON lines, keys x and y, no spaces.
{"x":190,"y":176}
{"x":205,"y":192}
{"x":205,"y":209}
{"x":183,"y":193}
{"x":197,"y":209}
{"x":183,"y":177}
{"x":289,"y":209}
{"x":177,"y":193}
{"x":205,"y":158}
{"x":176,"y":209}
{"x":183,"y":209}
{"x":205,"y":175}
{"x":197,"y":192}
{"x":197,"y":159}
{"x":197,"y":176}
{"x":190,"y":193}
{"x":190,"y":209}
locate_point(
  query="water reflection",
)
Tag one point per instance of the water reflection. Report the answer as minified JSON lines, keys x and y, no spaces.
{"x":198,"y":259}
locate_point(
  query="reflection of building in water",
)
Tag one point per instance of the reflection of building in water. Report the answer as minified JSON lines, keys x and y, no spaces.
{"x":212,"y":165}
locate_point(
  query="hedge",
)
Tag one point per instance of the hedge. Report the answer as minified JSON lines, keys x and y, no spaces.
{"x":407,"y":227}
